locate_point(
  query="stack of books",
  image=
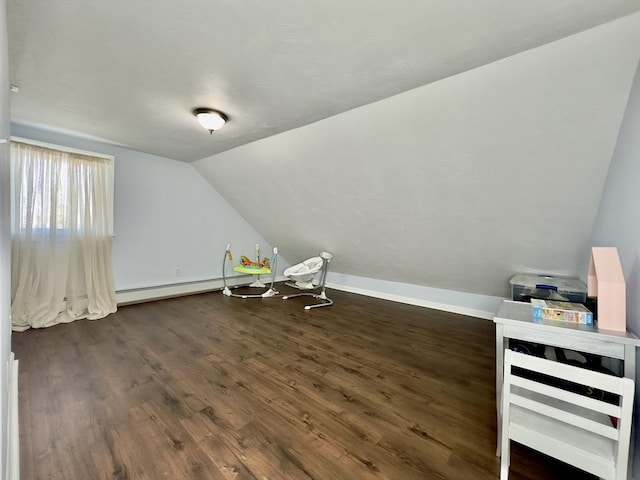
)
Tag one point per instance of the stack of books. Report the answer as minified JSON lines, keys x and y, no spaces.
{"x":562,"y":311}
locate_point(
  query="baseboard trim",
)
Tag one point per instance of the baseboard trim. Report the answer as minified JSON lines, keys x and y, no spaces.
{"x":470,"y":312}
{"x":13,"y":435}
{"x":149,"y":294}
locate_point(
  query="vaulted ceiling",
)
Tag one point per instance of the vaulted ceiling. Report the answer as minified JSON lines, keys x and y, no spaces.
{"x":457,"y":184}
{"x":438,"y":143}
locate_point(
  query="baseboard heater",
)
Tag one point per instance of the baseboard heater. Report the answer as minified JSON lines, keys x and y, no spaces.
{"x":147,"y":294}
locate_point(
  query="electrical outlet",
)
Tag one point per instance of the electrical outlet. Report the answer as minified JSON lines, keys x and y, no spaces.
{"x":178,"y":272}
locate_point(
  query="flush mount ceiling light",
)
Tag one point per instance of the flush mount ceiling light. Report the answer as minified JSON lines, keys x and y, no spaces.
{"x":210,"y":119}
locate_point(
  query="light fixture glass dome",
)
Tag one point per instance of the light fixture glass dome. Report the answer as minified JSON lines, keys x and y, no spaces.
{"x":210,"y":119}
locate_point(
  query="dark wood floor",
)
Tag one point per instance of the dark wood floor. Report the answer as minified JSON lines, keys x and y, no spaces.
{"x":210,"y":387}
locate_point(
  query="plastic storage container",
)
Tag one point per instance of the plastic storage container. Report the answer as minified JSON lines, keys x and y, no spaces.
{"x":526,"y":286}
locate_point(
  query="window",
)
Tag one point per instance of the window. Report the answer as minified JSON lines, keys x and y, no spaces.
{"x":56,"y":188}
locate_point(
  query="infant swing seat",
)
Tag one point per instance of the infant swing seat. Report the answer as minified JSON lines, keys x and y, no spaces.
{"x":302,"y":274}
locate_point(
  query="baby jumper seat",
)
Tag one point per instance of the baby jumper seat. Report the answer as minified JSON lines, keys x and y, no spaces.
{"x":249,"y":267}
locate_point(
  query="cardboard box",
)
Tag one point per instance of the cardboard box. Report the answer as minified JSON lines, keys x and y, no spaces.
{"x":561,"y":311}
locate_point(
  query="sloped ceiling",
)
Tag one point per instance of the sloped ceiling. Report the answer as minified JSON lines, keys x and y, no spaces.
{"x":457,"y":184}
{"x":438,"y":143}
{"x":130,"y":71}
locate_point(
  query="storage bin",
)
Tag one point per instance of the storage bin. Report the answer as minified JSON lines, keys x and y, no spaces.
{"x":526,"y":286}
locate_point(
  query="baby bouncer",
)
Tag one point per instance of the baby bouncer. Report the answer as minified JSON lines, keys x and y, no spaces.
{"x":302,"y":274}
{"x":259,"y":267}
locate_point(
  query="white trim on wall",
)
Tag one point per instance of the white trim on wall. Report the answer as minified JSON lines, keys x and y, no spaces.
{"x":470,"y":304}
{"x":13,"y":433}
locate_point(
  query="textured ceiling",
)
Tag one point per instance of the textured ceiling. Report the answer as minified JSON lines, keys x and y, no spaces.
{"x":130,"y":72}
{"x":458,"y":184}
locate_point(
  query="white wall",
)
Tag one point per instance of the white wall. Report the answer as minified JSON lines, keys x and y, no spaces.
{"x":5,"y":236}
{"x":618,"y":222}
{"x":167,"y":217}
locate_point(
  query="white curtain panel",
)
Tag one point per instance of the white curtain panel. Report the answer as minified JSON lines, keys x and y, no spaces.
{"x":62,"y":234}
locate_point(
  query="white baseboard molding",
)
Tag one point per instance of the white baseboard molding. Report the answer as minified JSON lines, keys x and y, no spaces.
{"x":147,"y":294}
{"x":470,"y":312}
{"x":13,"y":427}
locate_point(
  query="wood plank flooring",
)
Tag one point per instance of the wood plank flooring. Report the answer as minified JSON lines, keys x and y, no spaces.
{"x":209,"y":387}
